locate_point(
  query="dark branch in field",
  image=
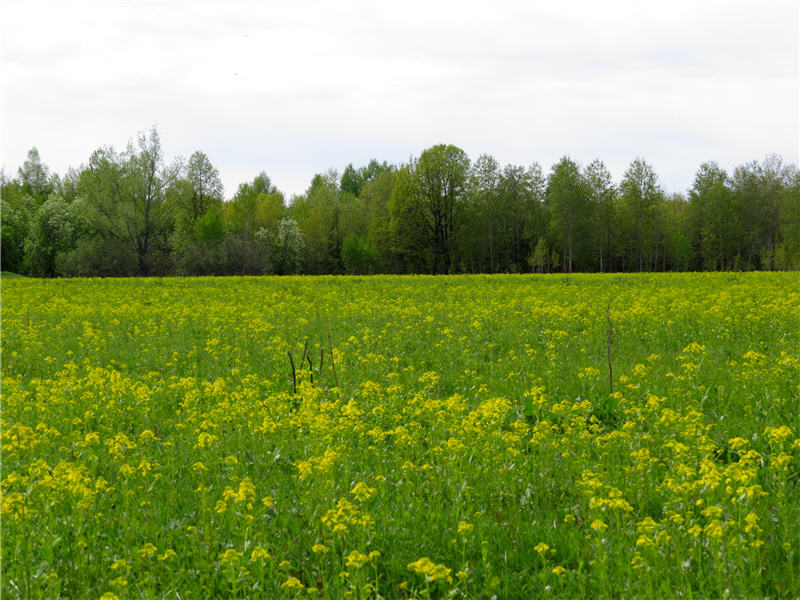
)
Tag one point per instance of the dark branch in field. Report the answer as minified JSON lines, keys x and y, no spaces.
{"x":294,"y":373}
{"x":333,"y":365}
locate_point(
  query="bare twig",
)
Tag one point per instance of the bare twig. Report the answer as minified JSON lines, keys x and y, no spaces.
{"x":333,"y":365}
{"x":294,"y":373}
{"x":305,"y":352}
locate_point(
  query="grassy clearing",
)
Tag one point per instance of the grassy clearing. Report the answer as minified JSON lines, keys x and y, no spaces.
{"x":154,"y":445}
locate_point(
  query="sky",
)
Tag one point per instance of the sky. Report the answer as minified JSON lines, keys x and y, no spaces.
{"x":296,"y":87}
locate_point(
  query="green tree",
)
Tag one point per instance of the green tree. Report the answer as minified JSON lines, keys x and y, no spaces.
{"x":438,"y":184}
{"x":409,"y":231}
{"x":256,"y":206}
{"x":287,"y":247}
{"x":198,"y":239}
{"x":130,"y":199}
{"x":318,"y":213}
{"x":640,"y":195}
{"x":539,"y":260}
{"x":358,"y":256}
{"x":36,"y":179}
{"x":52,"y":231}
{"x":568,"y":207}
{"x":790,"y":228}
{"x":481,"y":226}
{"x":714,"y":219}
{"x":373,"y":206}
{"x":602,"y":196}
{"x":521,"y":193}
{"x":15,"y":215}
{"x":760,"y":191}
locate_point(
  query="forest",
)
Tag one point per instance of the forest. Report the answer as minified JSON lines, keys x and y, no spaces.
{"x":134,"y":213}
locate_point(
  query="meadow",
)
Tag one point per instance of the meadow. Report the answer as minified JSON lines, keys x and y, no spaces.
{"x":402,"y":437}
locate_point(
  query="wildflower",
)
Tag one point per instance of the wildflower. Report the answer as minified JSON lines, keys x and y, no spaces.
{"x":120,"y":563}
{"x":752,"y":523}
{"x":432,"y":571}
{"x":559,"y":571}
{"x":319,"y":549}
{"x":356,"y":559}
{"x":259,"y":553}
{"x":541,"y":548}
{"x":464,"y":527}
{"x":147,"y":550}
{"x":362,"y":492}
{"x":637,"y":562}
{"x":598,"y":525}
{"x":169,"y":553}
{"x":293,"y":583}
{"x":230,"y":557}
{"x":714,"y":529}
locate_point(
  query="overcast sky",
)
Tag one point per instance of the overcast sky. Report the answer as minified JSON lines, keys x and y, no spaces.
{"x":298,"y":87}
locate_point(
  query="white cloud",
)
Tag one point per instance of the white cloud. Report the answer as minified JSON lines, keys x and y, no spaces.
{"x":294,"y":88}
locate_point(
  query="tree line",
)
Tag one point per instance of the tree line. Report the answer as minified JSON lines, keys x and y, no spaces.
{"x":134,"y":213}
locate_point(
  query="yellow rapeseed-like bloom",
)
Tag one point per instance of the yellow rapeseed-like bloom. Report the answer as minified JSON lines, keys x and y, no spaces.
{"x":293,"y":583}
{"x":541,"y":548}
{"x":147,"y":550}
{"x":259,"y":553}
{"x":464,"y":527}
{"x":432,"y":571}
{"x":362,"y":492}
{"x":355,"y":559}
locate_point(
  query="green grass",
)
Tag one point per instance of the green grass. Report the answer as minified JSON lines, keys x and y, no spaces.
{"x":154,"y":444}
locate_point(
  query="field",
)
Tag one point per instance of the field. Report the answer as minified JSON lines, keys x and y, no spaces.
{"x":397,"y":437}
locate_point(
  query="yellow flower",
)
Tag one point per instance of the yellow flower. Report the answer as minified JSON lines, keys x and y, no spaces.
{"x":120,"y":563}
{"x":361,"y":491}
{"x":465,"y":527}
{"x":109,"y":596}
{"x":319,"y":549}
{"x":637,"y":562}
{"x":147,"y":550}
{"x":752,"y":523}
{"x":169,"y":553}
{"x":355,"y":559}
{"x":259,"y":553}
{"x":541,"y":547}
{"x":293,"y":583}
{"x":714,"y":529}
{"x":559,"y":570}
{"x":598,"y":525}
{"x":431,"y":571}
{"x":230,"y":557}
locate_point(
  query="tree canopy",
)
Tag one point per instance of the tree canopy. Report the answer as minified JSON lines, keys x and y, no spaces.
{"x":135,"y":213}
